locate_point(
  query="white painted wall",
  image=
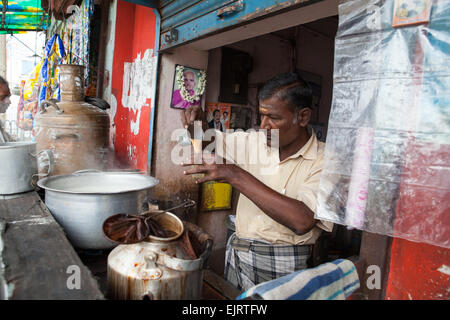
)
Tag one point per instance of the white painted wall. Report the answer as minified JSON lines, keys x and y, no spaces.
{"x":107,"y":76}
{"x":3,"y":55}
{"x":109,"y":51}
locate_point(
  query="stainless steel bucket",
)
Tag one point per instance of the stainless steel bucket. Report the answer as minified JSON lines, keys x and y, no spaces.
{"x":82,"y":201}
{"x":17,"y":167}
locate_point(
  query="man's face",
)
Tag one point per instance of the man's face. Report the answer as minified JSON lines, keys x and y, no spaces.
{"x":277,"y":114}
{"x":217,"y":117}
{"x":4,"y":98}
{"x":189,"y":81}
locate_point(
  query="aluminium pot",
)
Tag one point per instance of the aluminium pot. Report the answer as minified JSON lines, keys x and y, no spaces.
{"x":18,"y":166}
{"x":159,"y":268}
{"x":82,"y":201}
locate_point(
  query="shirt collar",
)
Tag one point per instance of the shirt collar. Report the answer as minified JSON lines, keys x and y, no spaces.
{"x":309,"y":150}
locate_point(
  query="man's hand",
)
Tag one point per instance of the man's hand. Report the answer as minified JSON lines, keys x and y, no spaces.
{"x":289,"y":212}
{"x":226,"y":173}
{"x":189,"y":115}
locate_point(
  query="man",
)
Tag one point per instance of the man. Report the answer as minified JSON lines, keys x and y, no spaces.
{"x":275,"y":225}
{"x":5,"y":94}
{"x":215,"y":122}
{"x":189,"y":83}
{"x":224,"y":119}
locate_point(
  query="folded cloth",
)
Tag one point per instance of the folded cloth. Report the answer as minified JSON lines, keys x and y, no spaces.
{"x":334,"y":280}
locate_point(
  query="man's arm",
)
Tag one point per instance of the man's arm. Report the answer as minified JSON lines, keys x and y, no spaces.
{"x":289,"y":212}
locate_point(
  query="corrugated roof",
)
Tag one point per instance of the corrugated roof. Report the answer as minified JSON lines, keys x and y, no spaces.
{"x":22,"y":15}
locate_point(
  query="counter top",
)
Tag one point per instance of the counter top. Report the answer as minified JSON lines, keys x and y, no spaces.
{"x":40,"y":263}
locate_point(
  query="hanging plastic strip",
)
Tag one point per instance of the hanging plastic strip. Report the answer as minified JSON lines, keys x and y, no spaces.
{"x":54,"y":54}
{"x":386,"y":168}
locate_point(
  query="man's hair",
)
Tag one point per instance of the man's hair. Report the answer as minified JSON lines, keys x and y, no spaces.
{"x":3,"y":82}
{"x":288,"y":87}
{"x":214,"y":112}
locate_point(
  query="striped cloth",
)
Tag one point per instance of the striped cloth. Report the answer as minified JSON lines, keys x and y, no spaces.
{"x":250,"y":262}
{"x":334,"y":280}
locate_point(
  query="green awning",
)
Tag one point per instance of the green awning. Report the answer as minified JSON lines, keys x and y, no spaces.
{"x":22,"y":15}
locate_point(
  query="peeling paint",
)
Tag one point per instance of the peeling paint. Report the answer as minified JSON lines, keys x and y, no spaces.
{"x":138,"y":85}
{"x":109,"y":50}
{"x":132,"y":154}
{"x":112,"y":114}
{"x":444,"y":269}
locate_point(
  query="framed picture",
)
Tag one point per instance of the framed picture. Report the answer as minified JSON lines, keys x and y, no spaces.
{"x":411,"y":12}
{"x":218,"y":115}
{"x":188,"y":87}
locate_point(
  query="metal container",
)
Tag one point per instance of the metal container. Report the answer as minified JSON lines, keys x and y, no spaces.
{"x":17,"y":167}
{"x":76,"y":132}
{"x":156,"y":269}
{"x":82,"y":201}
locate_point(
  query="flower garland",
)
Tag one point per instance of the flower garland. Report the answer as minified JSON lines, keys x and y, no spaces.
{"x":198,"y":91}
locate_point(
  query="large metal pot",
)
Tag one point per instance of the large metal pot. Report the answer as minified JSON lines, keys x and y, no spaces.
{"x":159,"y":268}
{"x":17,"y":167}
{"x":82,"y":201}
{"x":76,"y":132}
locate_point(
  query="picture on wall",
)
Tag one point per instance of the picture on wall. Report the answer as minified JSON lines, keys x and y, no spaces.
{"x":218,"y":115}
{"x":188,"y":87}
{"x":408,"y":12}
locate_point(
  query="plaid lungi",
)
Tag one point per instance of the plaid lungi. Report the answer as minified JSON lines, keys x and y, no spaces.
{"x":248,"y":263}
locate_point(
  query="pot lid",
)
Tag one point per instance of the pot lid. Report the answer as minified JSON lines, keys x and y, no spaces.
{"x":98,"y":182}
{"x":17,"y":144}
{"x":73,"y":112}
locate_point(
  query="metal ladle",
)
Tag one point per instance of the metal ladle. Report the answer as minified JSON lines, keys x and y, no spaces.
{"x":130,"y":228}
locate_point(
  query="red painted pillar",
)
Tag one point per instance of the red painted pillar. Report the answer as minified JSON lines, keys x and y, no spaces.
{"x":420,"y":270}
{"x":133,"y":58}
